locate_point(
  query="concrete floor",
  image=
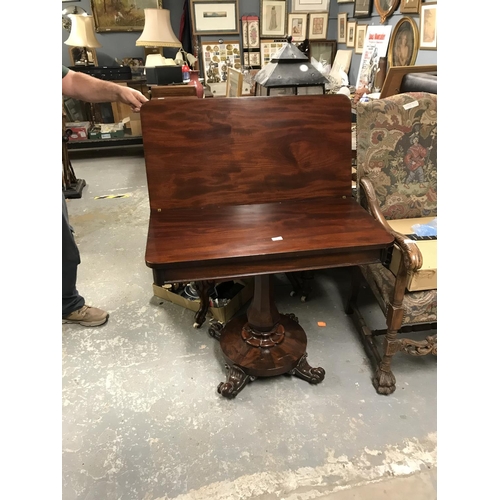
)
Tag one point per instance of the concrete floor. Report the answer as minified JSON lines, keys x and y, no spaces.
{"x":142,"y":419}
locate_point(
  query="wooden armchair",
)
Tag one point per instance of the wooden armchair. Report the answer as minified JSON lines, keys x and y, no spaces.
{"x":397,"y":184}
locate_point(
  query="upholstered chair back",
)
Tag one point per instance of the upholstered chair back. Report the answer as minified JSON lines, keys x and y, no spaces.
{"x":397,"y":151}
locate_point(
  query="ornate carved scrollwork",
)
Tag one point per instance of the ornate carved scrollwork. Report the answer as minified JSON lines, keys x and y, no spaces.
{"x":304,"y":371}
{"x":236,"y":379}
{"x":420,"y":348}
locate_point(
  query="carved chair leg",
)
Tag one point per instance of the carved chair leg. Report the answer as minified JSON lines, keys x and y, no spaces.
{"x":384,"y":380}
{"x":203,"y":288}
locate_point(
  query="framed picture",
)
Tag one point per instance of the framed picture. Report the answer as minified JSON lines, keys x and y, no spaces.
{"x":362,"y":8}
{"x":297,"y":26}
{"x":403,"y":47}
{"x":324,"y":51}
{"x":112,"y":18}
{"x":251,"y":59}
{"x":385,"y":8}
{"x":250,"y":32}
{"x":234,"y":83}
{"x":394,"y":78}
{"x":218,"y":58}
{"x":360,"y":38}
{"x":268,"y":48}
{"x":215,"y":17}
{"x":273,"y":18}
{"x":82,"y":55}
{"x":318,"y":26}
{"x":310,"y":5}
{"x":428,"y":26}
{"x":342,"y":27}
{"x":410,"y":6}
{"x":351,"y":34}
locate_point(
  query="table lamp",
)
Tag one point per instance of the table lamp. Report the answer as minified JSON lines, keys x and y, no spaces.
{"x":82,"y":35}
{"x":157,"y":32}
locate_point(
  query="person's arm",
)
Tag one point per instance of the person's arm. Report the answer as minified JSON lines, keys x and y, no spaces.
{"x":90,"y":89}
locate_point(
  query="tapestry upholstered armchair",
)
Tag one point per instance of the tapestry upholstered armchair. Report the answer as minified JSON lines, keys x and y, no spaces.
{"x":397,"y":180}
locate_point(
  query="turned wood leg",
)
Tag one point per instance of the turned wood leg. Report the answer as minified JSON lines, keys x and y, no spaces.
{"x":203,"y":289}
{"x":264,"y":343}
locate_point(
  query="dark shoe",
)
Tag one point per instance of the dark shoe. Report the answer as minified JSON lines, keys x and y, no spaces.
{"x":87,"y":316}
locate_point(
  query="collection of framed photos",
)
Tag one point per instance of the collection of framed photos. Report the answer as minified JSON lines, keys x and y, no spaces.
{"x":406,"y":37}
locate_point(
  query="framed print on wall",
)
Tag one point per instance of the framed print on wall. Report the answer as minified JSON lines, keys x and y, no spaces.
{"x":130,"y":19}
{"x":403,"y":46}
{"x":218,"y":58}
{"x":360,"y":38}
{"x":351,"y":33}
{"x":428,"y":26}
{"x":310,"y":5}
{"x":273,"y":18}
{"x":410,"y":6}
{"x":342,"y":27}
{"x":318,"y":26}
{"x":362,"y":8}
{"x":215,"y":17}
{"x":385,"y":8}
{"x":297,"y":26}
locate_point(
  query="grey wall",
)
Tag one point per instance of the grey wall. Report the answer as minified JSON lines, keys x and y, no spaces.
{"x":120,"y":45}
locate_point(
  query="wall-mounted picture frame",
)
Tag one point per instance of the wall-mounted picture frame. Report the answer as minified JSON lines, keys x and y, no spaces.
{"x":403,"y":46}
{"x":318,"y":26}
{"x":362,"y":8}
{"x":360,"y":38}
{"x":385,"y":8}
{"x":273,"y":15}
{"x":342,"y":27}
{"x":410,"y":6}
{"x":268,"y":48}
{"x":107,"y":19}
{"x":351,"y":34}
{"x":310,"y":5}
{"x":428,"y":26}
{"x":82,"y":56}
{"x":297,"y":26}
{"x":215,"y":17}
{"x":234,"y":83}
{"x":323,"y":51}
{"x":218,"y":58}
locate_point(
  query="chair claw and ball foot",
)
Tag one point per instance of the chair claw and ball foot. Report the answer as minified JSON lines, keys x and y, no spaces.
{"x":196,"y":325}
{"x":384,"y":382}
{"x":235,"y":381}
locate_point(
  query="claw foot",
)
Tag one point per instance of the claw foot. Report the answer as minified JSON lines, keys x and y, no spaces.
{"x":215,"y":329}
{"x":306,"y":372}
{"x":384,"y":382}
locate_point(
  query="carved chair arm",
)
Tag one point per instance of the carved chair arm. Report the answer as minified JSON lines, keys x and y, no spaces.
{"x":412,"y":256}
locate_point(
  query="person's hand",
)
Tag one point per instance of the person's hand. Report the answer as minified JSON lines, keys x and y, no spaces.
{"x":132,"y":97}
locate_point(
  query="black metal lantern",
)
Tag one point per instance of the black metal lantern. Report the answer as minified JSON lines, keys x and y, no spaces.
{"x":289,"y":73}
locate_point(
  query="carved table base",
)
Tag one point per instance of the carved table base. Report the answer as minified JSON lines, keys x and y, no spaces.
{"x":250,"y":354}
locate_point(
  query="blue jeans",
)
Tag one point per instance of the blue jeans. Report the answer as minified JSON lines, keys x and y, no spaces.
{"x":71,"y":299}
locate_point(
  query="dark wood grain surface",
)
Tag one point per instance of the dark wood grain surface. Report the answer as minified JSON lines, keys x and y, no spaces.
{"x":235,"y":151}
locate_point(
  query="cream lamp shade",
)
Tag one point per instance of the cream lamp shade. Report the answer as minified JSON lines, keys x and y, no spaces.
{"x":157,"y":31}
{"x":82,"y":32}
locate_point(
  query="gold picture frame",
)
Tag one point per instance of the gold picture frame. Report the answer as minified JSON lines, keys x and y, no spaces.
{"x":234,"y":83}
{"x":392,"y":82}
{"x":351,"y":34}
{"x":297,"y":26}
{"x":410,"y":6}
{"x":428,"y":26}
{"x":318,"y":26}
{"x":360,"y":38}
{"x":404,"y":43}
{"x":274,"y":17}
{"x":109,"y":19}
{"x":342,"y":27}
{"x":385,"y":8}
